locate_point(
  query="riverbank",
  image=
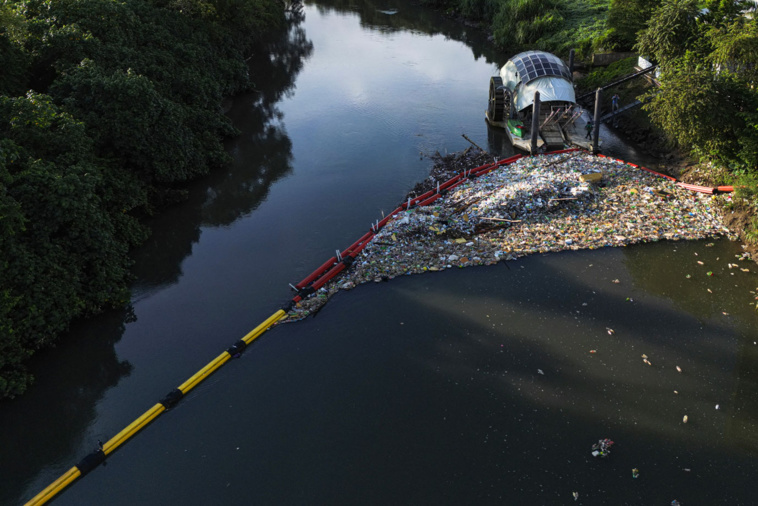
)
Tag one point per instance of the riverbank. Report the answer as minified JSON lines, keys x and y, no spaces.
{"x":639,"y":131}
{"x":540,"y":204}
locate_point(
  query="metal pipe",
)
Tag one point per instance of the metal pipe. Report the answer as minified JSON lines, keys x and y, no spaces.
{"x":535,"y":122}
{"x":596,"y":124}
{"x":571,"y":63}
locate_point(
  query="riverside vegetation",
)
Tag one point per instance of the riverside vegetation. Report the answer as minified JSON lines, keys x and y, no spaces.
{"x":106,"y":109}
{"x":706,"y":106}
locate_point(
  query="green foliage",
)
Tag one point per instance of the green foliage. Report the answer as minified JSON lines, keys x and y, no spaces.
{"x":13,"y":60}
{"x":746,"y":186}
{"x":735,"y":47}
{"x":480,"y":10}
{"x":707,"y":99}
{"x":671,"y":31}
{"x":691,"y":106}
{"x":126,"y":108}
{"x":524,"y":22}
{"x":600,"y":76}
{"x":751,"y":234}
{"x":63,"y":255}
{"x":625,"y":19}
{"x":161,"y":140}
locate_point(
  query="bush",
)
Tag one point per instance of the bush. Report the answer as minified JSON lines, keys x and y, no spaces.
{"x":126,"y":107}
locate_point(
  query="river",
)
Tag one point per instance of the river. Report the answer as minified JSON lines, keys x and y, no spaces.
{"x":485,"y":385}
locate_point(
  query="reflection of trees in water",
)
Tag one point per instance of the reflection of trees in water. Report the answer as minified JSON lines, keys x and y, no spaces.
{"x":262,"y":155}
{"x":71,"y":380}
{"x":263,"y":151}
{"x":415,"y":18}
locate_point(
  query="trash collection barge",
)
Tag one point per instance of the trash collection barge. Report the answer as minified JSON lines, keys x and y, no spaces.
{"x":512,"y":106}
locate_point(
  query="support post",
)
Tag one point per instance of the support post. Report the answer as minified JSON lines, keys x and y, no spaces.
{"x":571,"y":62}
{"x":535,"y":122}
{"x":596,"y":122}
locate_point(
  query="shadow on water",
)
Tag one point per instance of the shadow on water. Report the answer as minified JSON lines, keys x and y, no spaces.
{"x":69,"y":380}
{"x":262,"y":155}
{"x":472,"y":386}
{"x":476,"y":386}
{"x":72,"y":378}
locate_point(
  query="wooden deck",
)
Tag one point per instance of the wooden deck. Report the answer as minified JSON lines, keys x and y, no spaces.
{"x":522,"y":143}
{"x":551,"y":136}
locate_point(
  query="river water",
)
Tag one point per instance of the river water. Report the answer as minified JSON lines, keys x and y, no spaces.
{"x":484,"y":385}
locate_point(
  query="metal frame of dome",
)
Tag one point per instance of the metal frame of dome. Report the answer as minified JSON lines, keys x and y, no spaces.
{"x":535,"y":64}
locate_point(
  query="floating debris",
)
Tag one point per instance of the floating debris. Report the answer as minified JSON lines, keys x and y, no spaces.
{"x":679,"y":369}
{"x":576,"y":495}
{"x":537,"y":204}
{"x":635,"y":473}
{"x":685,"y":418}
{"x":602,"y":448}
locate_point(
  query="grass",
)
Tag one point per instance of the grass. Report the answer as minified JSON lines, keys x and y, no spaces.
{"x":584,"y":22}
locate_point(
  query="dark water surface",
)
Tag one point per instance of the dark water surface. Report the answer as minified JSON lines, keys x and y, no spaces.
{"x":472,"y":386}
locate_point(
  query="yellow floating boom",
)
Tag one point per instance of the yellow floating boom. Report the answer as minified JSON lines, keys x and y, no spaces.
{"x":94,"y":459}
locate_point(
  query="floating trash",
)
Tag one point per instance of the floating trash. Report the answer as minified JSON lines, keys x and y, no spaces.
{"x":602,"y":448}
{"x":635,"y":473}
{"x":537,"y":204}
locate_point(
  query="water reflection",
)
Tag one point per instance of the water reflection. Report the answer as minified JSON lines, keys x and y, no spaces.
{"x":428,"y":383}
{"x":416,"y":19}
{"x":70,"y":379}
{"x":262,"y":155}
{"x":48,"y":427}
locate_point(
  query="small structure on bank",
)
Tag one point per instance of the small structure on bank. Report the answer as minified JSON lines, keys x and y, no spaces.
{"x":533,"y":126}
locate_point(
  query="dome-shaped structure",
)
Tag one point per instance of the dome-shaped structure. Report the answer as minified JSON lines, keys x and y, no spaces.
{"x":532,"y":71}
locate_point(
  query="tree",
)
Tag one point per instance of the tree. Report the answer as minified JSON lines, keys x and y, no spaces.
{"x":13,"y":61}
{"x":63,"y":253}
{"x":670,"y":32}
{"x":696,"y":108}
{"x":625,"y":19}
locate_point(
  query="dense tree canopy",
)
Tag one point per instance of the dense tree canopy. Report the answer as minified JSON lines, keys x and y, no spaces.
{"x":106,"y":108}
{"x":707,"y":101}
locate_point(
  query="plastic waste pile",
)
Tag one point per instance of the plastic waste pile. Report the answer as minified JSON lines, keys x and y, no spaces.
{"x":537,"y":204}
